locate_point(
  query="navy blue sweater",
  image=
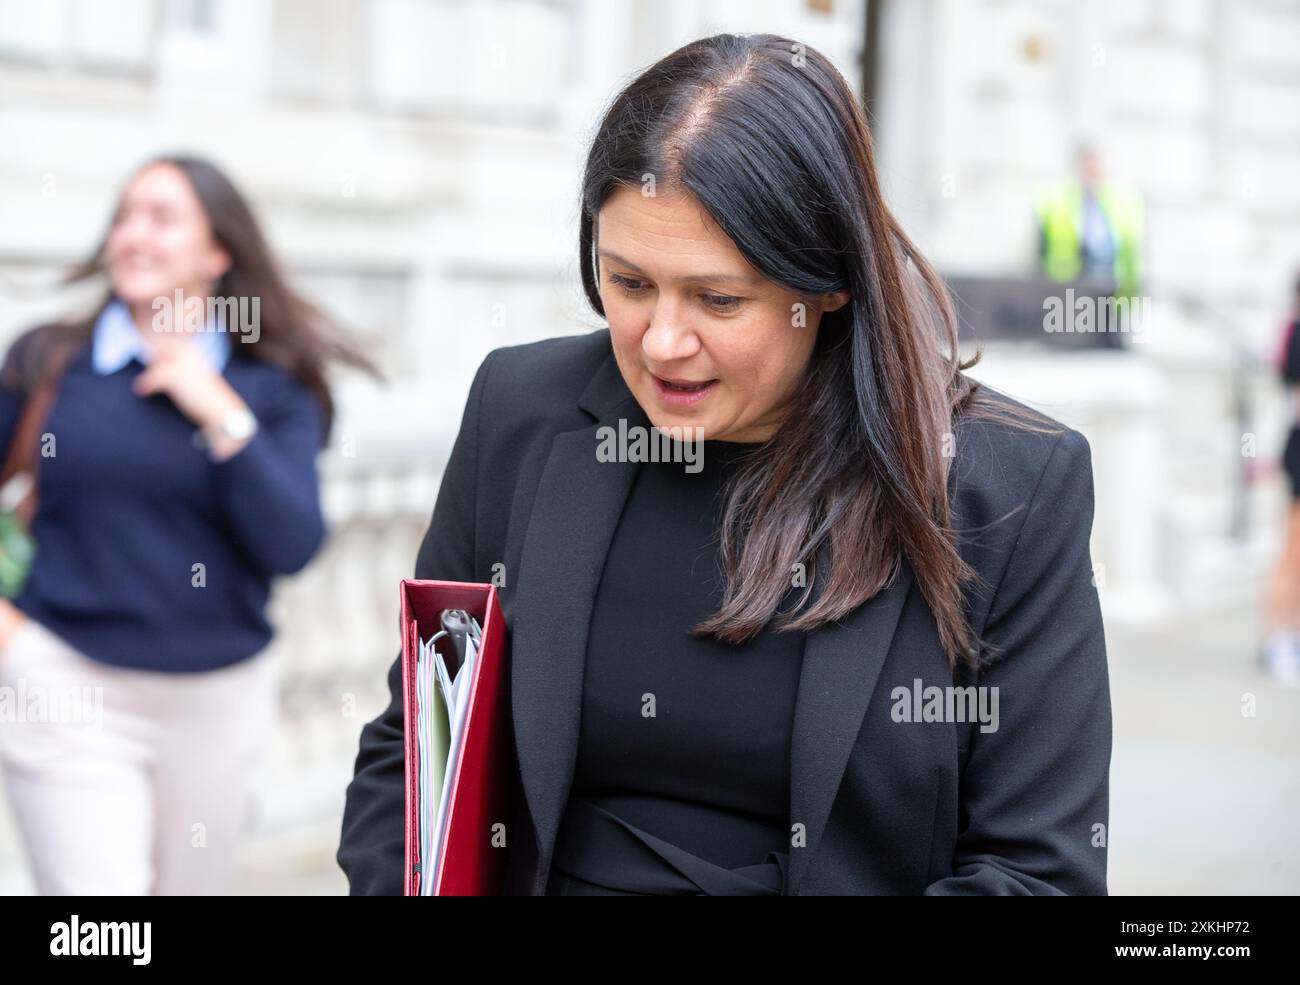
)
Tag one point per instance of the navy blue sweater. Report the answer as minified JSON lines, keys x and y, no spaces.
{"x":149,"y":554}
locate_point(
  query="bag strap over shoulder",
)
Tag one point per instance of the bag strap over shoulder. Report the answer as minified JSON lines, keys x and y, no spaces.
{"x":24,"y":447}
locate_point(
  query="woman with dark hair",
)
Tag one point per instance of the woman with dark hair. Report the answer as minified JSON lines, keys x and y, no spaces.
{"x":172,"y":437}
{"x":858,"y":648}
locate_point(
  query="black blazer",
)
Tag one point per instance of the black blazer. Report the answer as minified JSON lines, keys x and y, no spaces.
{"x":888,"y":807}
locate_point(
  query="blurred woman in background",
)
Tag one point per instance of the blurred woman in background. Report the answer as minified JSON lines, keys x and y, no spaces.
{"x":1280,"y":653}
{"x":173,"y":442}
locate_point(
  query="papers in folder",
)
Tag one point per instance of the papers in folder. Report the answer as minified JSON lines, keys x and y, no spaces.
{"x":442,"y":708}
{"x":460,"y":770}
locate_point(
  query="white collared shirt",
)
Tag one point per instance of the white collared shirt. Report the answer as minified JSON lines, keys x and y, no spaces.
{"x":117,"y":341}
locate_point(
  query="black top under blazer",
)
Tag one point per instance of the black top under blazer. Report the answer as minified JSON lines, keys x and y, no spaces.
{"x":886,"y":807}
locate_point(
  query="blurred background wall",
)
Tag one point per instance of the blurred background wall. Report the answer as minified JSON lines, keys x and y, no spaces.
{"x":416,"y":164}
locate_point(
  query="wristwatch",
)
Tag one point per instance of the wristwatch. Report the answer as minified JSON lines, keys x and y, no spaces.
{"x":238,"y":424}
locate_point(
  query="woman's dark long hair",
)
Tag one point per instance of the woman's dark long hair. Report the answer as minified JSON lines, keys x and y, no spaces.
{"x":768,"y":137}
{"x":293,"y":333}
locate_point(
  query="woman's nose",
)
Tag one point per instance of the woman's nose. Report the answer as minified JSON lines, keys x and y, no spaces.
{"x":129,"y":232}
{"x":669,"y":338}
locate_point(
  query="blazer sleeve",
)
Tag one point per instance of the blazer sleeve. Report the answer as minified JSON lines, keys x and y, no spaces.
{"x":1035,"y":791}
{"x":372,"y":844}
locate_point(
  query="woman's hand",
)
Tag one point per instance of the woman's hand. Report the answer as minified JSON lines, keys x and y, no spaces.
{"x":179,"y":370}
{"x":11,"y":617}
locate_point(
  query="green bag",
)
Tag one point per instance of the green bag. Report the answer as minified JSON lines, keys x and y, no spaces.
{"x":17,"y":552}
{"x":18,"y":480}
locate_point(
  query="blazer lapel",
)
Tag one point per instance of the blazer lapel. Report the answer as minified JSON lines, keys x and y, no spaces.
{"x":575,"y":513}
{"x":841,"y":665}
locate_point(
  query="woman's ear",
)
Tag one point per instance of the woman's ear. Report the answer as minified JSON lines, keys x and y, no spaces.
{"x":833,"y":302}
{"x":219,"y":263}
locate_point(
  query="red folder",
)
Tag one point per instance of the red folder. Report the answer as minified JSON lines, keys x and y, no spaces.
{"x":482,"y":783}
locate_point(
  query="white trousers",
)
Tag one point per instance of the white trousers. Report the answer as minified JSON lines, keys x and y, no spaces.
{"x":130,"y":782}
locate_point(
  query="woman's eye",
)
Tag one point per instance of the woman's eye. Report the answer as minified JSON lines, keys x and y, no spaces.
{"x":721,"y":302}
{"x":634,"y":287}
{"x":628,"y":284}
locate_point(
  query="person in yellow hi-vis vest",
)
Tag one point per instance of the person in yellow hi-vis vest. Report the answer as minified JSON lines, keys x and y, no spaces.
{"x":1091,"y":229}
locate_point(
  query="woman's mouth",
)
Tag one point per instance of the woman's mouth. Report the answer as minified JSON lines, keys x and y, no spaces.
{"x":682,"y":393}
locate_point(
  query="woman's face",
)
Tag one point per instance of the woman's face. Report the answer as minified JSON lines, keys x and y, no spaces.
{"x":161,"y":240}
{"x":702,"y":339}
